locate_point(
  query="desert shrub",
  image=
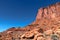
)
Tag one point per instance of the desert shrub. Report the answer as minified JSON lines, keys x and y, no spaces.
{"x":54,"y":37}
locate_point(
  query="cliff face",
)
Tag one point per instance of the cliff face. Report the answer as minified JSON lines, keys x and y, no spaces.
{"x":48,"y":16}
{"x":45,"y":27}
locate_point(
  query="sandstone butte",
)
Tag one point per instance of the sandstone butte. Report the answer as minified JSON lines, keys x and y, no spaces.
{"x":45,"y":27}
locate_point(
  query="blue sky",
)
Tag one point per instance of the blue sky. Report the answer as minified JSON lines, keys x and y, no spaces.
{"x":19,"y":13}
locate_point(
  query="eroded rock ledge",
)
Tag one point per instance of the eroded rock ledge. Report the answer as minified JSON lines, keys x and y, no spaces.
{"x":45,"y":27}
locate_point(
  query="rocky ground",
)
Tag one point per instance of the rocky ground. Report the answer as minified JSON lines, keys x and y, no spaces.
{"x":45,"y":27}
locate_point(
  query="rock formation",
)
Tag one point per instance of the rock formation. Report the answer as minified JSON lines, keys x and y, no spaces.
{"x":45,"y":27}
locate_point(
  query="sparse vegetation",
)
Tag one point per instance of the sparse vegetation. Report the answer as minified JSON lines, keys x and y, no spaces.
{"x":54,"y":37}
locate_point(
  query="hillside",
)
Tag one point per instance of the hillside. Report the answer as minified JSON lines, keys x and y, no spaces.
{"x":45,"y":27}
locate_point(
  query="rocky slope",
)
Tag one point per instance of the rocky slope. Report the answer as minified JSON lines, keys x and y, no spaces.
{"x":45,"y":27}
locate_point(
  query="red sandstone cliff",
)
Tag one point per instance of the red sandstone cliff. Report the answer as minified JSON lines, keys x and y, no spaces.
{"x":49,"y":16}
{"x":45,"y":27}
